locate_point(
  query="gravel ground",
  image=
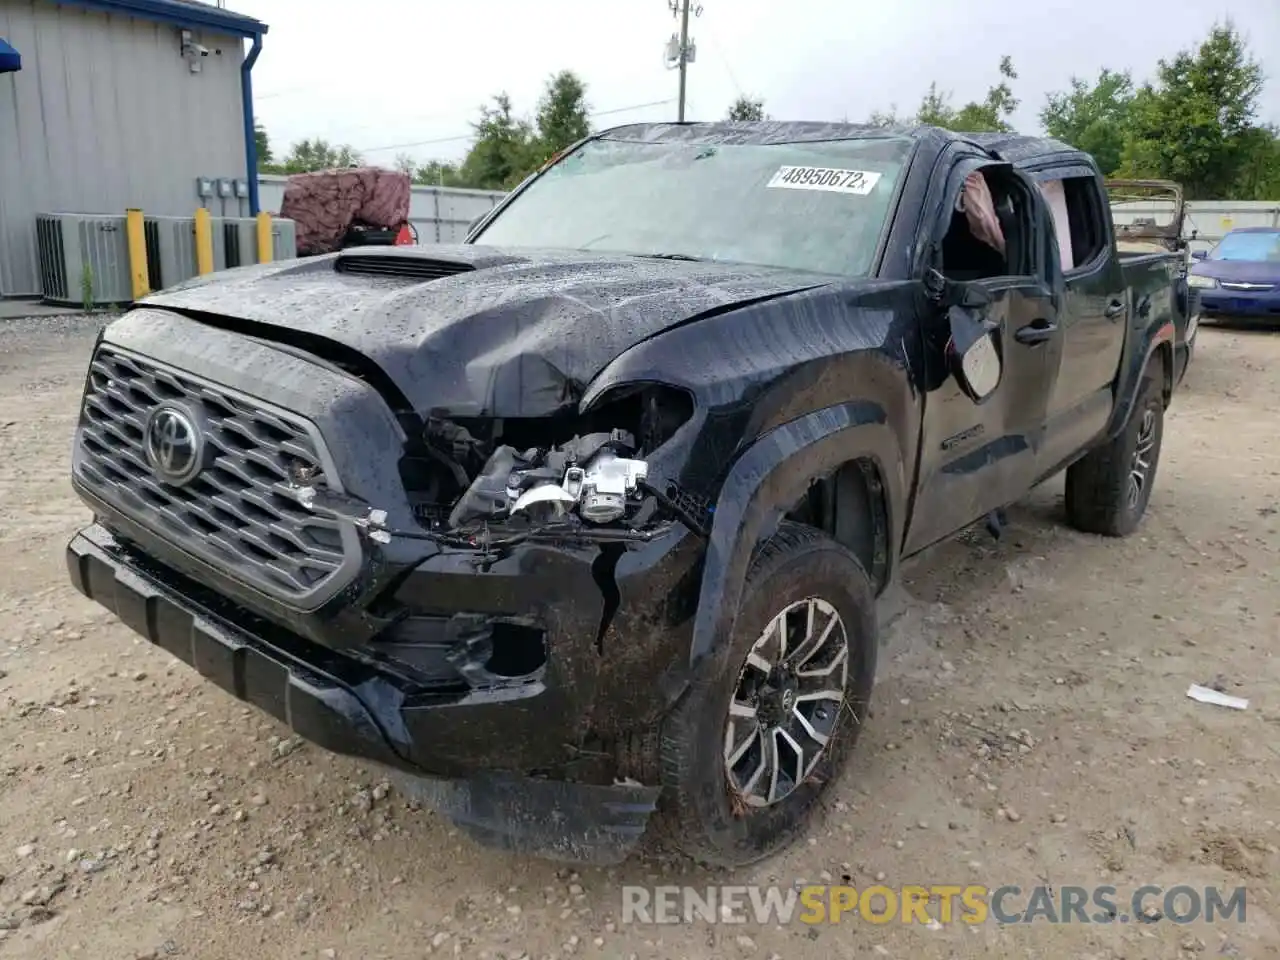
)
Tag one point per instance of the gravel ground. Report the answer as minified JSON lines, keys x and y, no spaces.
{"x":1030,"y":726}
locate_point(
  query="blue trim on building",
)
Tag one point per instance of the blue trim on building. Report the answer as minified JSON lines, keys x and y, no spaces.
{"x":10,"y":59}
{"x":180,"y":13}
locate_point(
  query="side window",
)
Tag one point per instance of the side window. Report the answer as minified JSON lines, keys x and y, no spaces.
{"x":990,"y":231}
{"x":1078,"y":219}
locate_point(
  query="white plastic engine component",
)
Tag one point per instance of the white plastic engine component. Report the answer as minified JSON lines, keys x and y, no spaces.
{"x":547,"y":493}
{"x":608,"y":481}
{"x":600,"y":490}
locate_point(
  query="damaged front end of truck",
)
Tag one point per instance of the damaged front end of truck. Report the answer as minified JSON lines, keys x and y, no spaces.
{"x":493,"y":596}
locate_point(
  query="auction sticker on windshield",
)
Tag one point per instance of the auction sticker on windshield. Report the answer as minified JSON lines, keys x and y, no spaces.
{"x":860,"y":182}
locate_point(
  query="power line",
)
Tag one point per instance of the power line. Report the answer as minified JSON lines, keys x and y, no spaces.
{"x":468,"y":136}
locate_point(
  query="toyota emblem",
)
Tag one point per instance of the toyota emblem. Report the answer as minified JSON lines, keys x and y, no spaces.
{"x":173,"y":445}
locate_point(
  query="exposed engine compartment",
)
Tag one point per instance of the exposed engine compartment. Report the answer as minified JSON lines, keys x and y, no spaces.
{"x":523,"y":474}
{"x":586,"y":474}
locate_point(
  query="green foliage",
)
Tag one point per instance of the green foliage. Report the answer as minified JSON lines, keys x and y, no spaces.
{"x":86,"y":288}
{"x":888,"y":118}
{"x":263,"y":143}
{"x":307,"y":156}
{"x":1195,"y":124}
{"x":507,"y":148}
{"x":562,"y":114}
{"x":991,"y":113}
{"x":436,"y":173}
{"x":1093,"y":118}
{"x":503,"y":149}
{"x":746,"y":108}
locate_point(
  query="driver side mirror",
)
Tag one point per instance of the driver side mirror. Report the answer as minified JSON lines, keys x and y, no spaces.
{"x":1199,"y":254}
{"x":973,"y":356}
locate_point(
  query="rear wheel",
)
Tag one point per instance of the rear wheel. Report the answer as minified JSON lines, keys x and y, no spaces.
{"x":1108,"y":490}
{"x":756,"y":741}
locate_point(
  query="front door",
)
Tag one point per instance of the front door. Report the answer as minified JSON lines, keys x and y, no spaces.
{"x":977,"y":457}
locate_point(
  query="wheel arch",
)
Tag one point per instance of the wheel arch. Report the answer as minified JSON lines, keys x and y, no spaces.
{"x":850,"y":446}
{"x":1157,"y":348}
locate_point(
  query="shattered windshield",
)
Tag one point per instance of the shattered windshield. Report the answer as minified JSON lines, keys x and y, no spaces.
{"x":807,"y":206}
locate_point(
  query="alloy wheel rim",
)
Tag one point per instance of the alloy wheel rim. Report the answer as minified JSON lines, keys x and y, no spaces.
{"x":1140,"y":468}
{"x":786,"y":703}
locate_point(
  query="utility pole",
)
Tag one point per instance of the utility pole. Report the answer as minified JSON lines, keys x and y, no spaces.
{"x":681,"y":51}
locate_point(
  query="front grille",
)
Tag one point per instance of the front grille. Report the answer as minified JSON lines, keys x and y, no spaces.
{"x":238,"y":513}
{"x":1248,"y":287}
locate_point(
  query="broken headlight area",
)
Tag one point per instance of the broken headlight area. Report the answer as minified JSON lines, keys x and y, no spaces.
{"x":594,"y":477}
{"x":574,"y":473}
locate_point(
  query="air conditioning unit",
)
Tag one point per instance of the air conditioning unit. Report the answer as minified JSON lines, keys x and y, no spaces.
{"x":240,"y":240}
{"x":83,"y":258}
{"x":284,"y":239}
{"x":171,"y":256}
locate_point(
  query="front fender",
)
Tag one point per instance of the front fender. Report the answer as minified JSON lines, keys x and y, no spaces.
{"x":766,"y":481}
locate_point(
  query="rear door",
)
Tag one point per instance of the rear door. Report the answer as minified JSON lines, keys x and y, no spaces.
{"x":1094,"y":309}
{"x":976,"y":457}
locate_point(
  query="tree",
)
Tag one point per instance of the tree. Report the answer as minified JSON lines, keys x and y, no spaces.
{"x":1092,"y":118}
{"x":746,"y":108}
{"x":1260,"y":165}
{"x":1195,"y":124}
{"x":405,"y":164}
{"x":990,"y":113}
{"x":307,"y":156}
{"x":263,"y":144}
{"x":504,"y":148}
{"x":562,"y":114}
{"x":887,"y":118}
{"x":437,"y":173}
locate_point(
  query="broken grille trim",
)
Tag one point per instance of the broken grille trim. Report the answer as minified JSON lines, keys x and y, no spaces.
{"x":238,"y":516}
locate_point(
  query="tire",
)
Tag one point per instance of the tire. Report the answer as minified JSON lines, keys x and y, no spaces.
{"x":704,"y":812}
{"x":1109,"y":489}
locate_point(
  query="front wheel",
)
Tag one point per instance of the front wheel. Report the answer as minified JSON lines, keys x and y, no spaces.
{"x":1108,"y":490}
{"x":754,"y":743}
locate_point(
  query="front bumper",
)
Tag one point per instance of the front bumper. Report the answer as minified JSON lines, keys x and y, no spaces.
{"x":1241,"y":303}
{"x":495,"y":764}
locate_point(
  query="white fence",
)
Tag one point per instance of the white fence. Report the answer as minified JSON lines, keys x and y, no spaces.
{"x":1207,"y":221}
{"x":440,"y":214}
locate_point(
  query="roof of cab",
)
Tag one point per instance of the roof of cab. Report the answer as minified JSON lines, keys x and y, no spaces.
{"x":1011,"y":146}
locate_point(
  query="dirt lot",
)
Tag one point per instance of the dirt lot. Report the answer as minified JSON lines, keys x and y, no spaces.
{"x":1031,"y":727}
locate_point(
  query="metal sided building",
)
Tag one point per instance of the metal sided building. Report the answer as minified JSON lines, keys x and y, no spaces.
{"x":107,"y":105}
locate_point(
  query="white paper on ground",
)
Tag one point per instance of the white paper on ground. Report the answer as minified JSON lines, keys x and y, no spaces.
{"x":1206,"y":695}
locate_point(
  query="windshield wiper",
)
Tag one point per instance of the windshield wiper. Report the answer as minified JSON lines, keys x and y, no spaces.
{"x":671,"y":256}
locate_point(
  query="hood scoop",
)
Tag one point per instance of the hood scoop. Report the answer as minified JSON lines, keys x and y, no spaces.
{"x":404,"y":266}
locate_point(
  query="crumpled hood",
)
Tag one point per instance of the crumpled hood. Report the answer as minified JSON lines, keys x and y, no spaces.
{"x":519,"y":335}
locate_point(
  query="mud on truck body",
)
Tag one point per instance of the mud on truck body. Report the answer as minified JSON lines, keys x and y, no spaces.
{"x":580,"y":525}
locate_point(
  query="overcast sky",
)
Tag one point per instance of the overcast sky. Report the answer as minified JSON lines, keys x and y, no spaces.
{"x":382,"y":74}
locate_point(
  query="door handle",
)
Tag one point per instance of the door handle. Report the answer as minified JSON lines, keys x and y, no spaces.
{"x":1038,"y":331}
{"x":1115,"y":308}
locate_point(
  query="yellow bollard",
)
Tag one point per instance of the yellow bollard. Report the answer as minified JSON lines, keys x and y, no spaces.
{"x":138,"y":273}
{"x":265,"y":243}
{"x":204,"y":242}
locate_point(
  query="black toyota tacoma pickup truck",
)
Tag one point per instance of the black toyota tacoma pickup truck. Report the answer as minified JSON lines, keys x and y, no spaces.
{"x":580,"y":525}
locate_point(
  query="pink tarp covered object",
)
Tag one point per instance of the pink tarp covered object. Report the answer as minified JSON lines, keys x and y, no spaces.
{"x":325,"y":204}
